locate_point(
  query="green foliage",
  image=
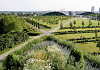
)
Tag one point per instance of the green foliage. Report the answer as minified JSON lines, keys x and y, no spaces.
{"x":71,"y":25}
{"x":93,"y":60}
{"x":11,"y":39}
{"x":6,"y":41}
{"x":50,"y":19}
{"x":15,"y":35}
{"x":98,"y":44}
{"x":14,"y":30}
{"x":34,"y":23}
{"x":19,"y":37}
{"x":11,"y":23}
{"x":83,"y":24}
{"x":75,"y":61}
{"x":5,"y":27}
{"x":74,"y":23}
{"x":76,"y":54}
{"x":13,"y":62}
{"x":1,"y":66}
{"x":61,"y":26}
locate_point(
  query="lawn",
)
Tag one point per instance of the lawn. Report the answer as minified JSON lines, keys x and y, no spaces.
{"x":88,"y":47}
{"x":78,"y":29}
{"x":86,"y":22}
{"x":75,"y":36}
{"x":50,"y":21}
{"x":56,"y":52}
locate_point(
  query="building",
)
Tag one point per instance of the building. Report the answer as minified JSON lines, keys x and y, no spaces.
{"x":92,"y":9}
{"x":99,"y":10}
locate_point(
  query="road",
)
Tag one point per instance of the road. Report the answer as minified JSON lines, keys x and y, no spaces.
{"x":18,"y":47}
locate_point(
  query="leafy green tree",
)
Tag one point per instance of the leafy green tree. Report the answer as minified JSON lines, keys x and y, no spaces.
{"x":61,"y":26}
{"x":98,"y":16}
{"x":90,"y":23}
{"x":83,"y":24}
{"x":1,"y":26}
{"x":38,"y":25}
{"x":98,"y":45}
{"x":71,"y":25}
{"x":98,"y":23}
{"x":10,"y":23}
{"x":74,"y":23}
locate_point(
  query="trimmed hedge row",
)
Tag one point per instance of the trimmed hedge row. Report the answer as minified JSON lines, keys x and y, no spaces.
{"x":82,"y":40}
{"x":76,"y":32}
{"x":81,"y":27}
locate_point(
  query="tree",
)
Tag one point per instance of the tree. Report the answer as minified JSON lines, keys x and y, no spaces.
{"x":83,"y":24}
{"x":38,"y":25}
{"x":90,"y":23}
{"x":98,"y":16}
{"x":71,"y":25}
{"x":98,"y":23}
{"x":2,"y":26}
{"x":61,"y":26}
{"x":74,"y":22}
{"x":98,"y":45}
{"x":10,"y":23}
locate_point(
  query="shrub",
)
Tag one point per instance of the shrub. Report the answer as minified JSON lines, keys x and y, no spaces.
{"x":11,"y":39}
{"x":6,"y":41}
{"x":11,"y":23}
{"x":13,"y":62}
{"x":19,"y":37}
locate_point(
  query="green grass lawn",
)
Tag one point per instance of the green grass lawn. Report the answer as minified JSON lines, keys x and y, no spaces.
{"x":86,"y":22}
{"x":88,"y":47}
{"x":79,"y":29}
{"x":50,"y":21}
{"x":75,"y":36}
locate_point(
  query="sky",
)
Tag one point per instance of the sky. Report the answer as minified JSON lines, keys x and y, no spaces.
{"x":43,"y":5}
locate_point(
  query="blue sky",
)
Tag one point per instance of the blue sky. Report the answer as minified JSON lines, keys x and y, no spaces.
{"x":30,"y":5}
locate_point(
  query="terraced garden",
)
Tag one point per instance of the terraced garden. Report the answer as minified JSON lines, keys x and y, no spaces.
{"x":44,"y":53}
{"x":74,"y":45}
{"x":84,"y":37}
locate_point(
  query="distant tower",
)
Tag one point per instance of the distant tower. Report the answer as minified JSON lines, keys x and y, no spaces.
{"x":99,"y":10}
{"x":92,"y":9}
{"x":70,"y":13}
